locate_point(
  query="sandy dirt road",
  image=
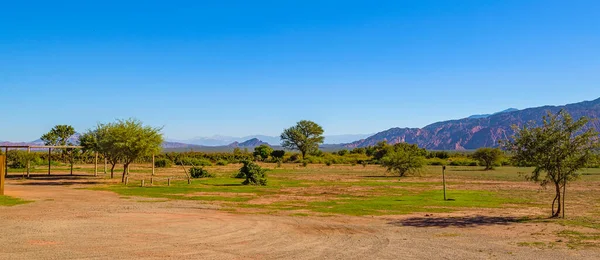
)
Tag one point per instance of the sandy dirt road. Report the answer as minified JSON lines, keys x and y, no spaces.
{"x":69,"y":223}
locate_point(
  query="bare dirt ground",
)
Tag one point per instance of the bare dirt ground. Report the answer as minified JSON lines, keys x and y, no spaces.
{"x":65,"y":222}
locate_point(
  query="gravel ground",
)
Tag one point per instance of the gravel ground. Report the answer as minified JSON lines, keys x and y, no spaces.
{"x":69,"y":223}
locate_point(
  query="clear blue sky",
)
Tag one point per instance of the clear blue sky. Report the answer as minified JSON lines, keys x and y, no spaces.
{"x":201,"y":68}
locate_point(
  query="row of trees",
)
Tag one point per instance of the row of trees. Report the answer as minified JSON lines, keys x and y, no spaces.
{"x":557,"y":149}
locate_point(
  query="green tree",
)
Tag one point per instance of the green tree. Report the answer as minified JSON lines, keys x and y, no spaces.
{"x":305,"y":137}
{"x":263,"y":151}
{"x":403,"y":161}
{"x":99,"y":140}
{"x":488,"y":157}
{"x":560,"y":147}
{"x":132,"y":140}
{"x":383,"y":148}
{"x":59,"y":136}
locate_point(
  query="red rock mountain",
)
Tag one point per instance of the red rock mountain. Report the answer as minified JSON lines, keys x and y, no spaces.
{"x":473,"y":133}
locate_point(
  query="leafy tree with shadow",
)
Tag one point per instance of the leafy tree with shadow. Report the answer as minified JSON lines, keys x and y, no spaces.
{"x":404,"y":160}
{"x":558,"y":150}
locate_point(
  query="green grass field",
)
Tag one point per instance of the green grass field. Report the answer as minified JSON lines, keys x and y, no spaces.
{"x":359,"y":191}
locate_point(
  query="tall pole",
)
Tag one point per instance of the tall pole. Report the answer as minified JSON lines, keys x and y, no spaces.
{"x":96,"y":165}
{"x":49,"y":160}
{"x":5,"y":164}
{"x":71,"y":159}
{"x":28,"y":160}
{"x":444,"y":179}
{"x":152,"y":164}
{"x":105,"y":163}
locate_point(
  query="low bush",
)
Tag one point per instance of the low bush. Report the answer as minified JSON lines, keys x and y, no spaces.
{"x":222,"y":163}
{"x":163,"y":163}
{"x":199,"y":172}
{"x":436,"y":161}
{"x":462,"y":162}
{"x":254,"y":174}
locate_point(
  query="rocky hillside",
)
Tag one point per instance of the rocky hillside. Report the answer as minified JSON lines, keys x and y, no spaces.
{"x":473,"y":133}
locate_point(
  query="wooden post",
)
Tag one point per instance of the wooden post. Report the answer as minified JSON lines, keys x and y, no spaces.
{"x":151,"y":181}
{"x":168,"y":181}
{"x":2,"y":173}
{"x":5,"y":164}
{"x":71,"y":160}
{"x":142,"y":183}
{"x":444,"y":179}
{"x":152,"y":164}
{"x":49,"y":160}
{"x":28,"y":161}
{"x":105,"y":164}
{"x":96,"y":165}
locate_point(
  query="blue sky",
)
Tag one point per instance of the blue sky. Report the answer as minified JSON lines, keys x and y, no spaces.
{"x":201,"y":68}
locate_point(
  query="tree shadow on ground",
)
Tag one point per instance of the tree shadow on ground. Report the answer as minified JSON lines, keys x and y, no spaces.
{"x":59,"y":183}
{"x":461,"y":222}
{"x":379,"y":176}
{"x":56,"y":179}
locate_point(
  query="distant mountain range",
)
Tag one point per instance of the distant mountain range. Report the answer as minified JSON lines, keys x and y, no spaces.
{"x":463,"y":134}
{"x":478,"y":131}
{"x":219,"y":140}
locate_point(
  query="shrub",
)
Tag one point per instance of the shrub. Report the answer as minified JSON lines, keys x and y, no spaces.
{"x":19,"y":158}
{"x":294,"y":158}
{"x":222,"y":163}
{"x":199,"y":172}
{"x":328,"y":163}
{"x":342,"y":152}
{"x":358,"y":151}
{"x":304,"y":163}
{"x":462,"y":162}
{"x":163,"y":163}
{"x":254,"y":174}
{"x":278,"y":154}
{"x":435,"y":161}
{"x":262,"y":152}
